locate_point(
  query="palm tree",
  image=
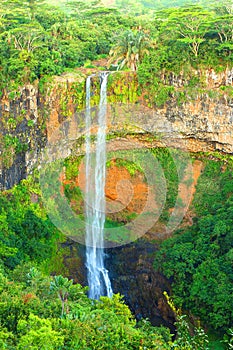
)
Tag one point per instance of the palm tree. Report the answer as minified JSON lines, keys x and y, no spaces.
{"x":61,"y":285}
{"x":129,"y":50}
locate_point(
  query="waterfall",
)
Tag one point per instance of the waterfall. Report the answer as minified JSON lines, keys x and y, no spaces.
{"x":97,"y":275}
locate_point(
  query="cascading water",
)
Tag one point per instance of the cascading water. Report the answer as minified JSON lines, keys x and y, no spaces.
{"x":97,"y":275}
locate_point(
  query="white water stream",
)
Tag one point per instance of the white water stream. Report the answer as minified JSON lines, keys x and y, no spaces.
{"x":97,"y":275}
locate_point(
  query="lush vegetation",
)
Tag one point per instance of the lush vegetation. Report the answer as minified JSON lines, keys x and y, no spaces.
{"x":38,"y":39}
{"x":198,"y":259}
{"x":27,"y":235}
{"x":163,"y":44}
{"x":41,"y":312}
{"x":186,"y":42}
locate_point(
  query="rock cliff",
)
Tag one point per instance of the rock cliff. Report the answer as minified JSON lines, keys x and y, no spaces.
{"x":28,"y":117}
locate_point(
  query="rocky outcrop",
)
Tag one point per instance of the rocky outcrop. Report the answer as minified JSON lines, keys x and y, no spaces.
{"x":22,"y":133}
{"x":202,"y":122}
{"x":209,"y":78}
{"x":132,"y":275}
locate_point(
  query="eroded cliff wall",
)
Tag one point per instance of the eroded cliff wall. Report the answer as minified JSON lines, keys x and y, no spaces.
{"x":203,"y":121}
{"x":22,"y":133}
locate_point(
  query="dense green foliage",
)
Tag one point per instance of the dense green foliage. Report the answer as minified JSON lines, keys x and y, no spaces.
{"x":137,"y":6}
{"x":31,"y":318}
{"x":26,"y":233}
{"x":35,"y":306}
{"x":187,"y":42}
{"x":199,"y":259}
{"x":37,"y":39}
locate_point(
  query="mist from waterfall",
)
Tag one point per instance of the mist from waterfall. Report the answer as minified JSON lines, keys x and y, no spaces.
{"x":97,"y":275}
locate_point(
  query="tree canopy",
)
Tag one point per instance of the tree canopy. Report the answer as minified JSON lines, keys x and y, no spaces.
{"x":39,"y":40}
{"x":199,"y":259}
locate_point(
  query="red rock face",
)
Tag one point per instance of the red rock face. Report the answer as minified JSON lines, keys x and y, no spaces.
{"x":122,"y":191}
{"x":127,"y":195}
{"x":126,"y":191}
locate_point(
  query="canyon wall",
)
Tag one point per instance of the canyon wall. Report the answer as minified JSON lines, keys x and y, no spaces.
{"x":202,"y":122}
{"x":22,"y":133}
{"x":29,"y":116}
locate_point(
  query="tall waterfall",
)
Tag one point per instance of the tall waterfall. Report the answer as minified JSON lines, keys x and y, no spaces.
{"x":97,"y":275}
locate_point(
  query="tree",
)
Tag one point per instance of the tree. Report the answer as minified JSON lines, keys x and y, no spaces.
{"x":130,"y":48}
{"x":33,"y":6}
{"x":222,"y":25}
{"x":5,"y":250}
{"x":21,"y":11}
{"x":188,"y":26}
{"x":29,"y":6}
{"x":61,"y":285}
{"x":27,"y":37}
{"x":224,"y":7}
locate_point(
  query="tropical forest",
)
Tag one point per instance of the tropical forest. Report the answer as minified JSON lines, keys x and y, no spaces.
{"x":116,"y":174}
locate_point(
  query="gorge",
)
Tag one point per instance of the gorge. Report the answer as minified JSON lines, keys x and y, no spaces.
{"x":202,"y":125}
